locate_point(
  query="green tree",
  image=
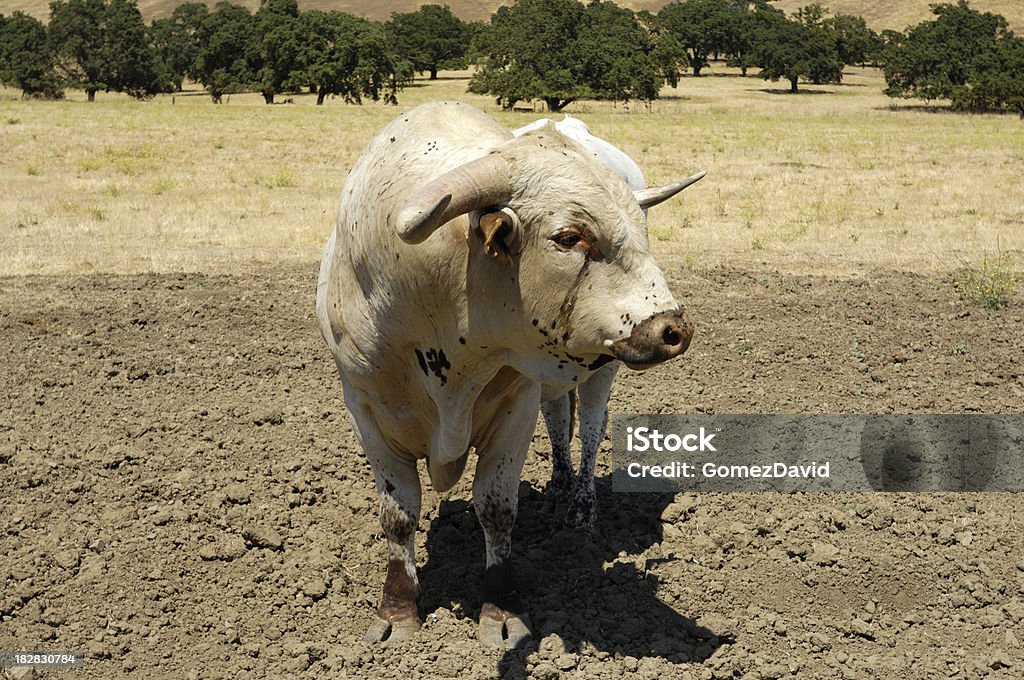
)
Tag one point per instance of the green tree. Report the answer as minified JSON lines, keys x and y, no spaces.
{"x":996,"y":79}
{"x":668,"y":55}
{"x":101,"y":45}
{"x":277,"y":28}
{"x":76,"y":36}
{"x":430,"y":38}
{"x":560,"y":51}
{"x":345,"y":56}
{"x":855,"y":42}
{"x":796,"y":48}
{"x":228,"y":58}
{"x":131,"y":61}
{"x":745,"y":33}
{"x":703,"y":27}
{"x":26,"y":61}
{"x":175,"y":41}
{"x":936,"y":58}
{"x":614,"y":54}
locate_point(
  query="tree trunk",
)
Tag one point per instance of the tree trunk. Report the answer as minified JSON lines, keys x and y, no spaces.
{"x":555,"y":104}
{"x":792,"y":84}
{"x":433,"y":73}
{"x":91,"y":95}
{"x":697,"y":66}
{"x":320,"y":96}
{"x":268,"y":97}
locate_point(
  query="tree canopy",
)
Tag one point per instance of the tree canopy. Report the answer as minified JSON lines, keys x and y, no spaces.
{"x":345,"y":56}
{"x":798,"y":48}
{"x":103,"y":45}
{"x":560,"y":51}
{"x":228,"y":56}
{"x":26,"y":60}
{"x":936,"y":59}
{"x":996,"y":78}
{"x":430,"y":38}
{"x":703,"y":27}
{"x":175,"y":41}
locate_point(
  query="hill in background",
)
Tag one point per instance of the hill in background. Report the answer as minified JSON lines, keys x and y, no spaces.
{"x":880,"y":14}
{"x":897,"y":15}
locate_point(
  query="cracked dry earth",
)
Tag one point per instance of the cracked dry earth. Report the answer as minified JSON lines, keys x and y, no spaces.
{"x":182,"y":496}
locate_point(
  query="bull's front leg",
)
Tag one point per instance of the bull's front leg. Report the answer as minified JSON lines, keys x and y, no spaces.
{"x":593,"y":399}
{"x":495,"y":498}
{"x":398,"y":487}
{"x":558,"y":417}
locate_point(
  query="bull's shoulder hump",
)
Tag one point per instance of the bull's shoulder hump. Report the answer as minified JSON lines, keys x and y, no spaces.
{"x":446,"y":117}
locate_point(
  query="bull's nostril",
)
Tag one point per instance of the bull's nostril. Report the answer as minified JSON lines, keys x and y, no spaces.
{"x":672,"y":337}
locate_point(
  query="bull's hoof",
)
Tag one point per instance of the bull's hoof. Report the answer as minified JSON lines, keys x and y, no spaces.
{"x":558,"y":493}
{"x":582,"y":514}
{"x":391,"y":632}
{"x":501,"y":628}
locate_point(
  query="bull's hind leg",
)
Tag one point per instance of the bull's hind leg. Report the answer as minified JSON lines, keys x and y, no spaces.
{"x":496,"y":498}
{"x":558,"y":416}
{"x":593,"y":396}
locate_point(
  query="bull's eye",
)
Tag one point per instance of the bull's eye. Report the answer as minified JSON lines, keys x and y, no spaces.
{"x":567,"y":239}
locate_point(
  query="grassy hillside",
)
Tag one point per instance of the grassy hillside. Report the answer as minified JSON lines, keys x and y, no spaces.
{"x":879,"y":14}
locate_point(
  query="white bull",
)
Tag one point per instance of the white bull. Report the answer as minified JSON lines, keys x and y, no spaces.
{"x":467,"y":269}
{"x":593,"y":393}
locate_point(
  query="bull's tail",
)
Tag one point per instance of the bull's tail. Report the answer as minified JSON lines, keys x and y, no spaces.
{"x":444,"y":476}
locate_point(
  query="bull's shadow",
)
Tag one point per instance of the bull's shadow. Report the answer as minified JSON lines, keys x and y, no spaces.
{"x":563,"y":579}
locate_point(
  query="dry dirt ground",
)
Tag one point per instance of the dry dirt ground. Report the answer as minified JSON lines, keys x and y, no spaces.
{"x":182,"y":497}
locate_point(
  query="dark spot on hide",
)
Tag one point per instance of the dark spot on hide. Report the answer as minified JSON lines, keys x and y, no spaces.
{"x":462,"y":341}
{"x":388,"y":485}
{"x":600,"y":361}
{"x":434,"y":361}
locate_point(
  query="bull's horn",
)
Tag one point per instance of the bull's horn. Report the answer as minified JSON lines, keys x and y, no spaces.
{"x":478,"y":184}
{"x":655,"y":195}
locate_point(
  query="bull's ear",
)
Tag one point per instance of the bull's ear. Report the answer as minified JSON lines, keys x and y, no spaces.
{"x":501,"y":233}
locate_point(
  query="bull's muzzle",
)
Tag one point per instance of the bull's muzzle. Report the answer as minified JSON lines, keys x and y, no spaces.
{"x":659,"y":338}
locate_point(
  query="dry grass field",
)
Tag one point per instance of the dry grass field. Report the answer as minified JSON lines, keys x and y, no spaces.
{"x":834,"y":179}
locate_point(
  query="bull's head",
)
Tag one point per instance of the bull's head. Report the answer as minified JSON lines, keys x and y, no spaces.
{"x":576,"y":237}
